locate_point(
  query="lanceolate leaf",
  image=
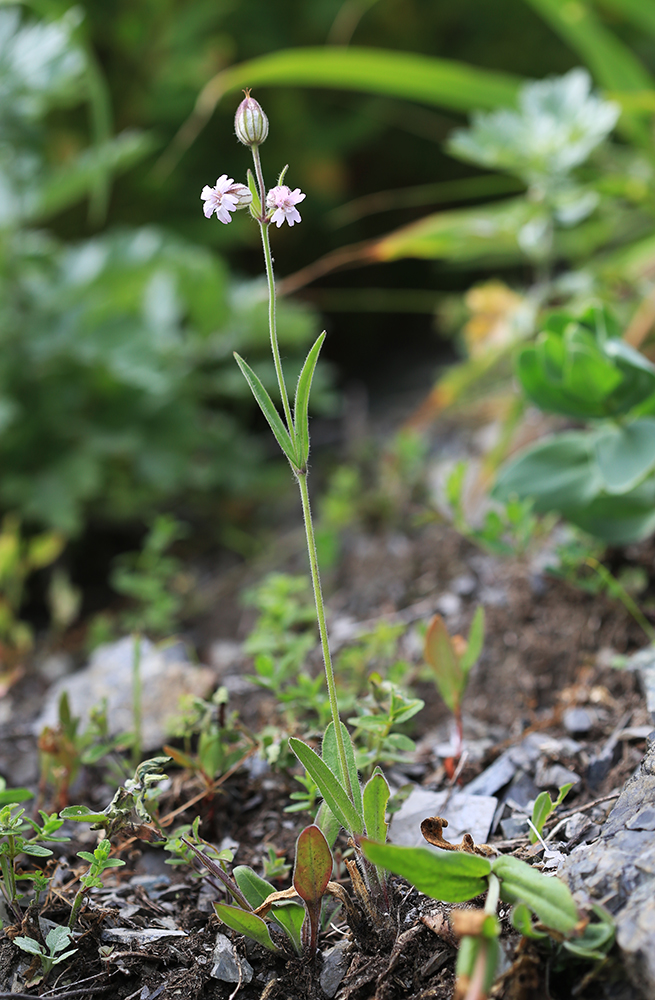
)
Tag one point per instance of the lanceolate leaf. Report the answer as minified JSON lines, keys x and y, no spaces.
{"x":452,"y":877}
{"x":329,"y":786}
{"x":301,"y":405}
{"x":268,"y":409}
{"x":475,"y":640}
{"x":313,"y":868}
{"x":376,"y":796}
{"x":245,"y":922}
{"x":441,"y":656}
{"x":330,"y":755}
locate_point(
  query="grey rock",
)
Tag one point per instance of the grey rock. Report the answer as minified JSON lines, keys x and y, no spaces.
{"x":465,"y":814}
{"x":619,"y":868}
{"x":554,"y":776}
{"x":336,"y":961}
{"x":577,"y":720}
{"x":166,"y":675}
{"x":496,"y":776}
{"x":228,"y":966}
{"x":136,"y":937}
{"x":515,"y":826}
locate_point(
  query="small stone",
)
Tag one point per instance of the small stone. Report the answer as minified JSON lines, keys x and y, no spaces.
{"x":515,"y":826}
{"x":554,"y":776}
{"x":228,"y":966}
{"x":449,"y":605}
{"x":465,"y":814}
{"x":577,"y":720}
{"x":135,"y":937}
{"x":336,"y":961}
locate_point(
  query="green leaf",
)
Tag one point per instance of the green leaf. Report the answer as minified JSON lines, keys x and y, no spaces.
{"x":375,"y":798}
{"x":330,"y":754}
{"x":13,"y":796}
{"x":268,"y":409}
{"x":618,"y":520}
{"x":639,"y":13}
{"x":36,"y":850}
{"x":81,"y":814}
{"x":522,"y":922}
{"x":475,"y":641}
{"x":625,"y":455}
{"x":289,"y":917}
{"x":328,"y":823}
{"x":408,"y":75}
{"x":301,"y":404}
{"x":29,"y":945}
{"x":245,"y":922}
{"x":313,"y":867}
{"x":445,"y":663}
{"x":329,"y":786}
{"x":252,"y":187}
{"x":547,"y":896}
{"x":559,"y":473}
{"x":611,"y":62}
{"x":452,"y":877}
{"x":541,"y":810}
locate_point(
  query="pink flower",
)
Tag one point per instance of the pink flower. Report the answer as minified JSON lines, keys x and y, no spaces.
{"x":224,"y":197}
{"x":284,"y":200}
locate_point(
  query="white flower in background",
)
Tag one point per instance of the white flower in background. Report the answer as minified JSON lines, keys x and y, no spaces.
{"x":284,"y":201}
{"x":224,"y":197}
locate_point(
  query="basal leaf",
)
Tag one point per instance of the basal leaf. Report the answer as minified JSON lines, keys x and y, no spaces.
{"x":330,"y":754}
{"x":313,"y":867}
{"x":329,"y":786}
{"x":268,"y":409}
{"x":451,"y":876}
{"x":375,"y":798}
{"x":245,"y":922}
{"x":256,"y":889}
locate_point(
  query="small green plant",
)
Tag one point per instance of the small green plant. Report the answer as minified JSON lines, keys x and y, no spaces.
{"x":386,"y":708}
{"x":99,"y":861}
{"x":460,"y":875}
{"x":275,"y":865}
{"x":135,"y":801}
{"x":544,"y":807}
{"x":57,"y":940}
{"x":601,"y":479}
{"x":14,"y":825}
{"x":451,"y":659}
{"x":221,"y":742}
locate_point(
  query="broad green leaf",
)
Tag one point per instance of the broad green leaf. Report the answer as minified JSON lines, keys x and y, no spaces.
{"x":451,"y":876}
{"x":313,"y":867}
{"x":625,"y":455}
{"x":328,"y":823}
{"x":81,"y":814}
{"x":329,"y":786}
{"x":289,"y":917}
{"x":330,"y":755}
{"x":612,"y":63}
{"x":559,"y":473}
{"x":445,"y":663}
{"x":375,"y":798}
{"x":547,"y":896}
{"x":268,"y":409}
{"x":301,"y":404}
{"x":245,"y":922}
{"x":13,"y":796}
{"x":36,"y":850}
{"x":29,"y":945}
{"x":618,"y":520}
{"x":475,"y":640}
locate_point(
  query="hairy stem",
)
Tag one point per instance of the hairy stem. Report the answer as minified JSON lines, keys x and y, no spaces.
{"x":322,"y":628}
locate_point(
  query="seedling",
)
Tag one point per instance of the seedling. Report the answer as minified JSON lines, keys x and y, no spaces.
{"x":58,"y":939}
{"x":543,"y":807}
{"x":386,"y":708}
{"x":451,"y":659}
{"x":13,"y":827}
{"x":99,"y":861}
{"x":275,"y":865}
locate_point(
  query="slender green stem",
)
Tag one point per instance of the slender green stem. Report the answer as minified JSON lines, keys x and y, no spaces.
{"x":322,"y":627}
{"x":272,"y":323}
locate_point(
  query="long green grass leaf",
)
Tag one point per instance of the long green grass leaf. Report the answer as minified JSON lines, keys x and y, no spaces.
{"x":301,"y":404}
{"x":268,"y":409}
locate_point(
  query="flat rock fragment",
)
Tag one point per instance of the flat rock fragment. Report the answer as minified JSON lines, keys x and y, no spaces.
{"x":228,"y":966}
{"x":465,"y":814}
{"x":619,"y":869}
{"x":166,"y":675}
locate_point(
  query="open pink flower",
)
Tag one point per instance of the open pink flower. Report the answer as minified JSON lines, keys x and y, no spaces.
{"x":284,"y":201}
{"x":224,"y":197}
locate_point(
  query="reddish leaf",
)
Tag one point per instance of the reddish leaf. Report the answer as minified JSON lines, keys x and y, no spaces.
{"x":313,"y":868}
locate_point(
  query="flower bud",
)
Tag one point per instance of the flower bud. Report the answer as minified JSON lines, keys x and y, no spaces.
{"x":250,"y":122}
